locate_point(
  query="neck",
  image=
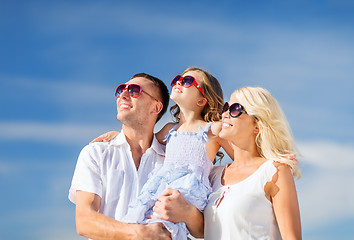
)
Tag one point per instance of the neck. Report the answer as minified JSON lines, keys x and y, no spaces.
{"x":138,"y":138}
{"x":139,"y":141}
{"x":190,"y":116}
{"x":245,"y":154}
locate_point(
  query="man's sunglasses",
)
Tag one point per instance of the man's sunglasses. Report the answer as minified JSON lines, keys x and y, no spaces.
{"x":134,"y":90}
{"x":186,"y":81}
{"x":235,"y":109}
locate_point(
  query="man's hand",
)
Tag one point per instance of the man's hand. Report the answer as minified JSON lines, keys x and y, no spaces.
{"x":153,"y":231}
{"x":172,"y":206}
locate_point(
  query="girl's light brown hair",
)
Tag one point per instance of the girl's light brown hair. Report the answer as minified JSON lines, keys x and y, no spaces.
{"x":211,"y":87}
{"x":215,"y":100}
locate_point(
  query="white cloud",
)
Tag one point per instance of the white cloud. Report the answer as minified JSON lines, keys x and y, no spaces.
{"x":58,"y":234}
{"x":112,"y":19}
{"x":5,"y":168}
{"x":42,"y":214}
{"x":271,"y":54}
{"x":47,"y":222}
{"x":52,"y":132}
{"x":63,"y":91}
{"x":325,"y":189}
{"x":328,"y":155}
{"x":60,"y":133}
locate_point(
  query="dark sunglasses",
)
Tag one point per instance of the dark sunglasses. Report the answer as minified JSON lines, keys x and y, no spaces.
{"x":235,"y":109}
{"x":186,"y":81}
{"x":134,"y":90}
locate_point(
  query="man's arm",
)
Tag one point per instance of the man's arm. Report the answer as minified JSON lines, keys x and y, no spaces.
{"x":91,"y":224}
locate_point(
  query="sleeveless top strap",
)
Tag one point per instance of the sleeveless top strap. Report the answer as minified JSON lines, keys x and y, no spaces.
{"x":207,"y":127}
{"x":203,"y":133}
{"x":170,"y":133}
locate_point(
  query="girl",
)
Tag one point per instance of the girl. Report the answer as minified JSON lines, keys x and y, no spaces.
{"x":192,"y":144}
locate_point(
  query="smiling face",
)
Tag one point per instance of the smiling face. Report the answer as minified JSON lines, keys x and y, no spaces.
{"x":242,"y":128}
{"x":137,"y":110}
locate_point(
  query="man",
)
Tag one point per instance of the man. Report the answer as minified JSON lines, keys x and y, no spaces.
{"x":108,"y":176}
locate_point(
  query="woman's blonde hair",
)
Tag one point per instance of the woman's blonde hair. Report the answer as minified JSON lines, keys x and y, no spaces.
{"x":274,"y":139}
{"x":211,"y":87}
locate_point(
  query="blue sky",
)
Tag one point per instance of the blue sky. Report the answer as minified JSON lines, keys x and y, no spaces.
{"x":60,"y":62}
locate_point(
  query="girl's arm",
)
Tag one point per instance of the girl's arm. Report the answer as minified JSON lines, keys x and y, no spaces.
{"x":227,"y":147}
{"x":285,"y":203}
{"x":160,"y":136}
{"x":215,"y":130}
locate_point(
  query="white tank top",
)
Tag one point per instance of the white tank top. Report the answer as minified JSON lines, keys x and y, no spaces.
{"x":241,"y":210}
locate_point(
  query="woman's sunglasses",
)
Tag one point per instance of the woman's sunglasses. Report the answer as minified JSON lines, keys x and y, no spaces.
{"x":186,"y":81}
{"x":134,"y":90}
{"x":235,"y":109}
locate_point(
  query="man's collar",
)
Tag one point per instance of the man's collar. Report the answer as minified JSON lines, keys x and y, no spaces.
{"x":156,"y":146}
{"x":119,"y":139}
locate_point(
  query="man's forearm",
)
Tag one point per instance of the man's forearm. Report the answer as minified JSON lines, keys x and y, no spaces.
{"x":94,"y":225}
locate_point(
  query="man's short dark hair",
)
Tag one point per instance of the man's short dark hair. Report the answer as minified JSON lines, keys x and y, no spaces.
{"x":163,"y":91}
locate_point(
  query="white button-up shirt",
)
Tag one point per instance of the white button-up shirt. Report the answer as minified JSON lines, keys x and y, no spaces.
{"x":108,"y":170}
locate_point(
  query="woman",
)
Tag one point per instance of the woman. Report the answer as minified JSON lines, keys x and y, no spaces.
{"x":255,"y":196}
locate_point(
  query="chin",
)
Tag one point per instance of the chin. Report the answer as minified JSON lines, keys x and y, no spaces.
{"x":177,"y":100}
{"x":173,"y":96}
{"x":224,"y":134}
{"x":121,"y":116}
